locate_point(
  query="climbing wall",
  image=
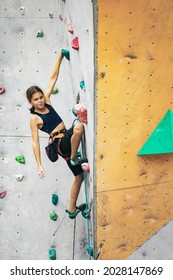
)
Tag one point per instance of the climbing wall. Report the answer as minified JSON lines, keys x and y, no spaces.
{"x":26,"y":231}
{"x":157,"y":247}
{"x":134,"y":94}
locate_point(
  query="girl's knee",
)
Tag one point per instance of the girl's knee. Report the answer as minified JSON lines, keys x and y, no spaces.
{"x":79,"y":127}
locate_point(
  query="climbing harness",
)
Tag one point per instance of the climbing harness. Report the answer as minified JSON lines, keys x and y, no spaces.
{"x":54,"y":141}
{"x":51,"y":150}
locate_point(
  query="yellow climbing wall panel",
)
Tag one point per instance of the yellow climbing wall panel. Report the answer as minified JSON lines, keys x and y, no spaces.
{"x":134,"y":91}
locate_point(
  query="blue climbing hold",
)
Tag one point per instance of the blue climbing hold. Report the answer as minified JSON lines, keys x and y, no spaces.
{"x":66,"y":53}
{"x":52,"y":254}
{"x":54,"y":198}
{"x":82,"y":85}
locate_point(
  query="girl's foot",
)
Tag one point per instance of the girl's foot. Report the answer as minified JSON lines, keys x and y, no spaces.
{"x":80,"y":208}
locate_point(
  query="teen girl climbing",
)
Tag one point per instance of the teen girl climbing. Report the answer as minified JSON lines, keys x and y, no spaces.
{"x":45,"y":118}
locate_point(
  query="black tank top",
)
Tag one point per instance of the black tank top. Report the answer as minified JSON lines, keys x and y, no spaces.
{"x":50,"y":120}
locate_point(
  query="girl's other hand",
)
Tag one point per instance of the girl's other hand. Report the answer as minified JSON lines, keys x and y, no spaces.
{"x":41,"y":172}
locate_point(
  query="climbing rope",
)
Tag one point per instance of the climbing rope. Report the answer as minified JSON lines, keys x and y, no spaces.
{"x":88,"y":208}
{"x":74,"y":239}
{"x":58,"y":227}
{"x":86,"y":199}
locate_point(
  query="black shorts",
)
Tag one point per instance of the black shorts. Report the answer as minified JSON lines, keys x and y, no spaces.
{"x":65,"y":148}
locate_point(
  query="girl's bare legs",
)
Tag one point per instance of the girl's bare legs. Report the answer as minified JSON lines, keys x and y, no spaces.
{"x":78,"y":131}
{"x":75,"y":192}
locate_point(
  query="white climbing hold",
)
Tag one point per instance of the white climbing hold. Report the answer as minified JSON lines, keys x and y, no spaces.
{"x":19,"y":177}
{"x":70,"y":28}
{"x":51,"y":15}
{"x":85,"y":166}
{"x":22,"y":10}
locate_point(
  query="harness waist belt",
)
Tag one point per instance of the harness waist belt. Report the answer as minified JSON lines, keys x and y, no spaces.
{"x":58,"y":132}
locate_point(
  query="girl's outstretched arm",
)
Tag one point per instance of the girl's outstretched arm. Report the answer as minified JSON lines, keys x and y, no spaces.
{"x":36,"y":145}
{"x":53,"y":77}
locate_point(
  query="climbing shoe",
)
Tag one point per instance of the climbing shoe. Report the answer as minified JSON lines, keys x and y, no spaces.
{"x":79,"y":208}
{"x":77,"y":160}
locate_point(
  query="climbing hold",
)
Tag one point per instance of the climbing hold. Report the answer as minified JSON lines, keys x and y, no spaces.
{"x":22,"y":10}
{"x":66,"y":53}
{"x":75,"y":43}
{"x":19,"y":177}
{"x":70,"y":28}
{"x":2,"y":89}
{"x":55,"y":90}
{"x":40,"y":33}
{"x":60,"y":17}
{"x":53,"y":216}
{"x":85,"y":166}
{"x":89,"y":249}
{"x":54,"y":198}
{"x":51,"y":15}
{"x":81,"y":112}
{"x":74,"y":112}
{"x":82,"y":85}
{"x":3,"y":194}
{"x":52,"y":254}
{"x":20,"y":159}
{"x":160,"y":141}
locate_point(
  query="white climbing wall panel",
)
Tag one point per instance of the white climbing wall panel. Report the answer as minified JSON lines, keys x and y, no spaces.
{"x":26,"y":230}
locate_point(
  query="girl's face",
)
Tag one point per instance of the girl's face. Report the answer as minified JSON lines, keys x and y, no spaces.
{"x":38,"y":100}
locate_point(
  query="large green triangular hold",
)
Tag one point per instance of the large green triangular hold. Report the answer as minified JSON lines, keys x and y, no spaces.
{"x":161,"y":140}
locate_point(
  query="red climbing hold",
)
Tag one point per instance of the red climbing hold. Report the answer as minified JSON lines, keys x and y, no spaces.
{"x":2,"y":89}
{"x":81,"y":112}
{"x":3,"y":194}
{"x":75,"y":43}
{"x":70,"y":28}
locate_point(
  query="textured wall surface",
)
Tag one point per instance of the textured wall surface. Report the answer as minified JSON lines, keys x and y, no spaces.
{"x":26,"y":231}
{"x":158,"y":247}
{"x":134,"y":92}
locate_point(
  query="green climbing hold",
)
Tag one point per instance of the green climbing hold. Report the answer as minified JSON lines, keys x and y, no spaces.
{"x":161,"y":140}
{"x":66,"y":53}
{"x":20,"y":159}
{"x":82,"y":85}
{"x":53,"y":216}
{"x":52,"y":254}
{"x":54,"y":198}
{"x":74,"y":112}
{"x":89,"y":250}
{"x":55,"y":90}
{"x":39,"y":33}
